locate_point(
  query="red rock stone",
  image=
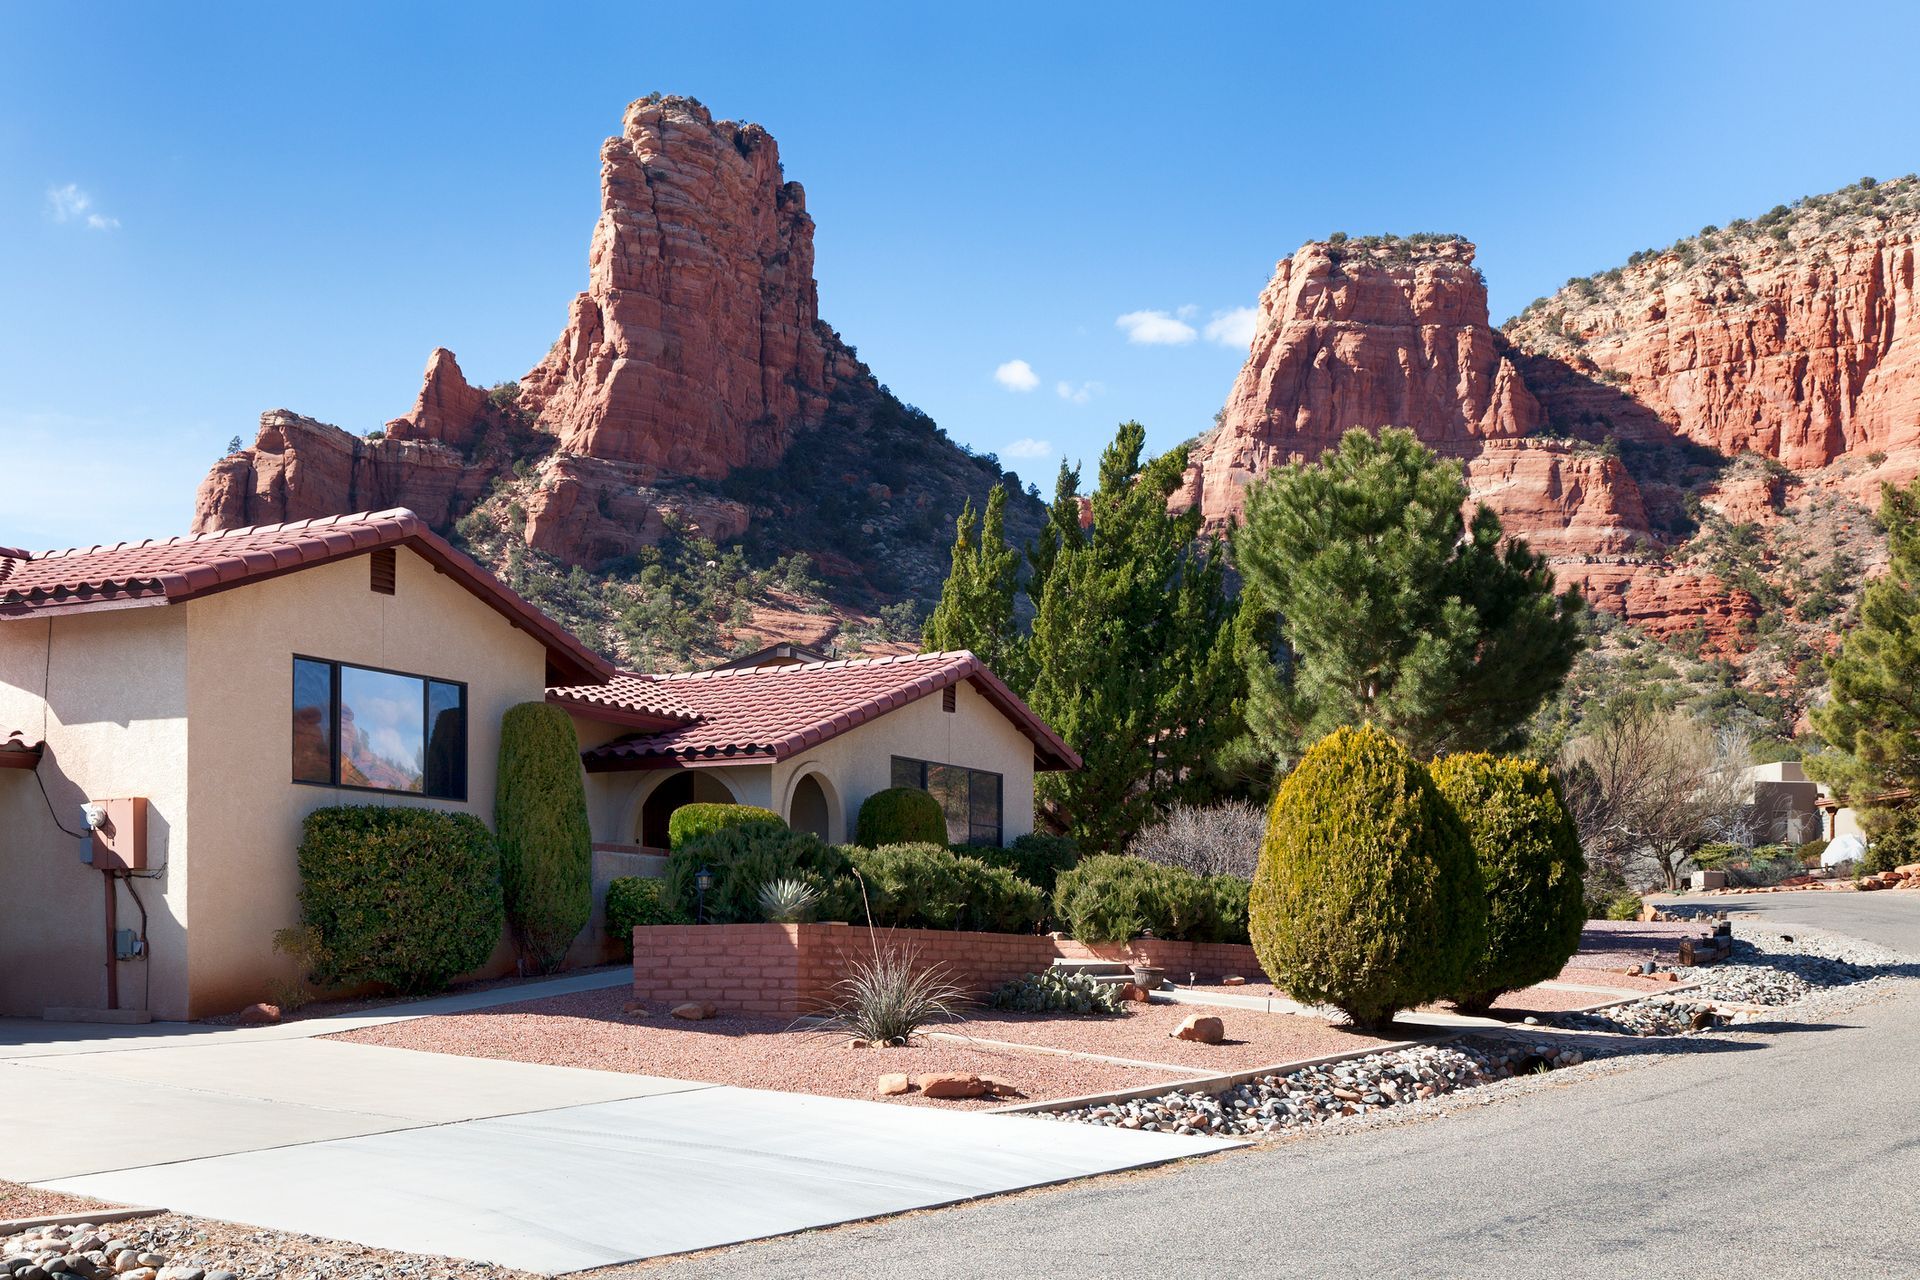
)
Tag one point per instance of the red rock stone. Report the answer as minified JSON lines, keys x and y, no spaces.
{"x":259,"y":1015}
{"x":892,"y":1085}
{"x":949,"y":1084}
{"x":1200,"y":1027}
{"x":694,"y":1010}
{"x":448,"y":410}
{"x":1233,"y":982}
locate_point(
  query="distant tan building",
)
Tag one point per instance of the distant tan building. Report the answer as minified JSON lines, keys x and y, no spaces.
{"x":1785,"y":805}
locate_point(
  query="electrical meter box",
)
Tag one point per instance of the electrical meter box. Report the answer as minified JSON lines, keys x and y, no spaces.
{"x":120,"y":843}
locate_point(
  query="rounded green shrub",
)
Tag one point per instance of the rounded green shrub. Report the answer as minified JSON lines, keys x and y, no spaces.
{"x":1111,"y":898}
{"x":745,"y":858}
{"x":1624,"y":905}
{"x":546,"y":846}
{"x":693,"y":821}
{"x":406,"y":898}
{"x":633,"y":901}
{"x":1036,"y":858}
{"x":1230,"y":898}
{"x":1531,"y":868}
{"x":900,"y":815}
{"x":928,"y":886}
{"x":1367,"y":896}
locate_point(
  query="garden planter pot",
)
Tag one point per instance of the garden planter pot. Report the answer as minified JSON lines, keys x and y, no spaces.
{"x":1148,"y":978}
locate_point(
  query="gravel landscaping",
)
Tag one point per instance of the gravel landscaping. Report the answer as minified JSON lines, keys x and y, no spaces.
{"x":18,"y":1200}
{"x":175,"y":1247}
{"x":589,"y":1029}
{"x":1314,"y":1096}
{"x":1254,"y":1039}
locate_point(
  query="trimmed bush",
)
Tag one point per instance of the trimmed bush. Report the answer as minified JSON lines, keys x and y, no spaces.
{"x":746,"y":858}
{"x":1054,"y":991}
{"x":406,"y":898}
{"x":546,"y":846}
{"x":900,"y":815}
{"x":1531,"y":868}
{"x":1230,"y":898}
{"x":927,"y":886}
{"x":1036,"y":858}
{"x":1367,"y":896}
{"x":1111,"y":898}
{"x":1624,"y":905}
{"x":637,"y":900}
{"x":695,"y":821}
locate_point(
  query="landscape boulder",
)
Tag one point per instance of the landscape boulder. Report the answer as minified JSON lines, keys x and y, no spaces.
{"x":260,"y":1015}
{"x":892,"y":1085}
{"x":951,"y":1084}
{"x":695,"y":1010}
{"x":1203,"y":1028}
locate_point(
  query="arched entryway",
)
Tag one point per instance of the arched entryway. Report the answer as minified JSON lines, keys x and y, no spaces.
{"x":691,"y":786}
{"x":808,"y":810}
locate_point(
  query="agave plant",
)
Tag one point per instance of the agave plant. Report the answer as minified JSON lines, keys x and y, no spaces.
{"x":787,"y":901}
{"x":887,"y":996}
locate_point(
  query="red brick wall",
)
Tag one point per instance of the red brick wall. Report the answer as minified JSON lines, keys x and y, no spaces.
{"x":789,"y":969}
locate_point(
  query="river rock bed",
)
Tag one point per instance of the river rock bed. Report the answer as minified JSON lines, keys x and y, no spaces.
{"x":1656,"y":1017}
{"x":1317,"y":1095}
{"x":174,"y":1247}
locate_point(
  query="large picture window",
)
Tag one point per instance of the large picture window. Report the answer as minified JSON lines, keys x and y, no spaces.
{"x":375,"y":730}
{"x":969,"y":797}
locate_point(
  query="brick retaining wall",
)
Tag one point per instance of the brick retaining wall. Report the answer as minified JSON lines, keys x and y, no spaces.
{"x":790,"y":968}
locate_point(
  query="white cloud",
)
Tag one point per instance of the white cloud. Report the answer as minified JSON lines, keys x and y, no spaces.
{"x":1188,"y":312}
{"x":1080,"y":394}
{"x":1233,"y":328}
{"x":1016,"y":375}
{"x":1029,"y":448}
{"x":71,"y":204}
{"x":1156,"y":328}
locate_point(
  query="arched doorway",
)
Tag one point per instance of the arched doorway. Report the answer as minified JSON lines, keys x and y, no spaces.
{"x":691,"y":786}
{"x":808,"y":811}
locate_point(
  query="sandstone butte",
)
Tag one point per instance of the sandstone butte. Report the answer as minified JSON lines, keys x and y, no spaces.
{"x":696,"y":349}
{"x":1803,"y":349}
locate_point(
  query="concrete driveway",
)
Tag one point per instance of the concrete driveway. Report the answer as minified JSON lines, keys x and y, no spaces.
{"x":541,"y":1168}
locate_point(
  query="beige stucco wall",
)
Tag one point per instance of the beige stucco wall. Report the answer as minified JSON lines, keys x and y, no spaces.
{"x":853,"y":766}
{"x":245,"y":810}
{"x":115,"y":723}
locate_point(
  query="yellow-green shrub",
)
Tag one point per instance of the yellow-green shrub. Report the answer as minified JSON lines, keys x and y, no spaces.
{"x":546,"y":846}
{"x":1367,"y":896}
{"x":900,"y":815}
{"x":692,"y":822}
{"x":1530,"y":866}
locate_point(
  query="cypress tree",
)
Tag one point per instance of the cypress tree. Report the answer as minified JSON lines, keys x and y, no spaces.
{"x":546,"y":846}
{"x":976,"y":603}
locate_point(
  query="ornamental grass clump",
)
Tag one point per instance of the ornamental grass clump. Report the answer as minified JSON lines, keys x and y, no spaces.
{"x":1367,"y":895}
{"x":887,"y":996}
{"x":1530,"y":865}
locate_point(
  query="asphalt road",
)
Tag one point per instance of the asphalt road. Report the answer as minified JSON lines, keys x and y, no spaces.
{"x":1791,"y":1152}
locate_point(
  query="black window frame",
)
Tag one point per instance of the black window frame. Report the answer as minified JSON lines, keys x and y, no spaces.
{"x":909,"y":771}
{"x":464,"y":769}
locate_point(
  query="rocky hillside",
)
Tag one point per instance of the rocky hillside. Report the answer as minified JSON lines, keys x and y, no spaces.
{"x":1696,"y":438}
{"x":699,"y":465}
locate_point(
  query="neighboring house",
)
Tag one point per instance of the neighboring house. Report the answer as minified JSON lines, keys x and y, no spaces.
{"x":214,"y":690}
{"x":811,"y":742}
{"x":1785,"y":808}
{"x":233,"y":682}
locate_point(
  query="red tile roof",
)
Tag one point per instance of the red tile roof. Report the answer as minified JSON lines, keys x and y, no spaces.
{"x":772,"y":713}
{"x":18,"y":751}
{"x":133,"y":574}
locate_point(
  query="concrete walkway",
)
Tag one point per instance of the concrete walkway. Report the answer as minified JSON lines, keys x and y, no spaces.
{"x":543,"y":1168}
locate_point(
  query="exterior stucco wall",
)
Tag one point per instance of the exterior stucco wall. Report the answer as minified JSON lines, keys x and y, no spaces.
{"x":853,"y":766}
{"x":115,"y":721}
{"x":245,"y":809}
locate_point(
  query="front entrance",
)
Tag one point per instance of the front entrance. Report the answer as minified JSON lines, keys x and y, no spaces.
{"x":809,"y":809}
{"x":688,"y":787}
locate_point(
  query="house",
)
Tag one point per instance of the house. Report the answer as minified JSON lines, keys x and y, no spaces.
{"x":811,"y":741}
{"x":1785,"y":804}
{"x":199,"y":696}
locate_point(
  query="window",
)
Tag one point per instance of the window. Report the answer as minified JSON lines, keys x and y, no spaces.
{"x":375,"y":730}
{"x":969,"y":797}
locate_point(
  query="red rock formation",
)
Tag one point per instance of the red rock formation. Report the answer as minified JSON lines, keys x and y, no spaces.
{"x":1568,"y":502}
{"x":447,"y":410}
{"x":697,"y":347}
{"x":584,"y":511}
{"x":299,"y":468}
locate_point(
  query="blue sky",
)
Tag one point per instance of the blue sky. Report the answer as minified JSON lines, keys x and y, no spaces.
{"x":211,"y":210}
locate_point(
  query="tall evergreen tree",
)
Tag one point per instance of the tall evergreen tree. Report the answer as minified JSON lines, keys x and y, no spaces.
{"x":1871,"y":723}
{"x":1131,"y":652}
{"x":1393,"y":608}
{"x":976,"y":604}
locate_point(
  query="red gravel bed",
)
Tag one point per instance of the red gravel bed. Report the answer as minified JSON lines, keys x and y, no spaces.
{"x":589,"y":1029}
{"x":1254,"y":1038}
{"x":1618,"y":941}
{"x":1611,"y":978}
{"x":17,"y":1200}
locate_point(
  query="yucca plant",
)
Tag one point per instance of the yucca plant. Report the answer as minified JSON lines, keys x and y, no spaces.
{"x":886,"y":997}
{"x":787,"y":901}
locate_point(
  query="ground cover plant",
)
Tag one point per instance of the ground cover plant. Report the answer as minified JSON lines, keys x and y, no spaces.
{"x":1058,"y":991}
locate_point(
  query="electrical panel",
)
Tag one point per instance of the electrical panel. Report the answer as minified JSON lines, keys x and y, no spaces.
{"x":120,"y":842}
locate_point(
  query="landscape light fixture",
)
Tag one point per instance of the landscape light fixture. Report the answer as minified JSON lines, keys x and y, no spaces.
{"x":702,"y":881}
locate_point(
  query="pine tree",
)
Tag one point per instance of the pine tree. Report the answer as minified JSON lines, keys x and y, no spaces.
{"x":1871,"y":722}
{"x":1131,"y":652}
{"x":1393,"y":608}
{"x":976,"y":604}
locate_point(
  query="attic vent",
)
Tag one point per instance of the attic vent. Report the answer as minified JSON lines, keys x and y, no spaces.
{"x":947,"y":697}
{"x":383,"y":571}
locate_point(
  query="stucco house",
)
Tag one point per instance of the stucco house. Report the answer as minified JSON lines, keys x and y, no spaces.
{"x":206,"y":693}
